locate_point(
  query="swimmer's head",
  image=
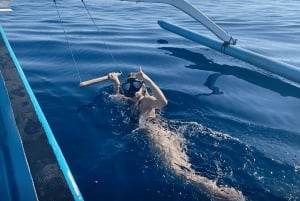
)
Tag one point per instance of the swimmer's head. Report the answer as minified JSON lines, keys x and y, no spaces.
{"x":132,"y":85}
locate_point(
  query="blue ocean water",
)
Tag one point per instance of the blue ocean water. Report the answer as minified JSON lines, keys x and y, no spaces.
{"x":229,"y":126}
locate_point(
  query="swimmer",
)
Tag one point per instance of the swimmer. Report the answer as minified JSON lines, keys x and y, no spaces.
{"x":171,"y":145}
{"x":134,"y":89}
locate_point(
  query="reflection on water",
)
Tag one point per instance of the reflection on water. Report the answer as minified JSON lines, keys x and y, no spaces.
{"x":251,"y":76}
{"x":210,"y":83}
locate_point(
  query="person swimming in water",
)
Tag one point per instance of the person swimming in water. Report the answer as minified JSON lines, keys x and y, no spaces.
{"x":170,"y":144}
{"x":134,"y":89}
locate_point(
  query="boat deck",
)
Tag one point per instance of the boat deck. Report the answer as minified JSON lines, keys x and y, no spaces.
{"x":28,"y":165}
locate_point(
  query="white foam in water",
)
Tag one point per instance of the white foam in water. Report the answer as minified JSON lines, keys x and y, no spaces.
{"x":173,"y":152}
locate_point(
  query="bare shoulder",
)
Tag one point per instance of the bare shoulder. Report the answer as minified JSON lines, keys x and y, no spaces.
{"x":151,"y":102}
{"x":119,"y":97}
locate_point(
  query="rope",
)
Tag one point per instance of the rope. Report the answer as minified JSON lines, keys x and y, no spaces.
{"x":100,"y":33}
{"x":66,"y":37}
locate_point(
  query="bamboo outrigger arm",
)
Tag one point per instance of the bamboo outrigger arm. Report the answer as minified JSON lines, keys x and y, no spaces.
{"x":189,"y":9}
{"x":282,"y":69}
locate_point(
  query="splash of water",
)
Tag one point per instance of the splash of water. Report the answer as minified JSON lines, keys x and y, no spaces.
{"x":173,"y":150}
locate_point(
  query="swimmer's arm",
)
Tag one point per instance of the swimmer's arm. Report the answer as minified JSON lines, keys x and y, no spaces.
{"x":114,"y":77}
{"x":160,"y":100}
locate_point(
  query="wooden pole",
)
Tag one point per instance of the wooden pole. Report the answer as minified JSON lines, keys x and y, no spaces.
{"x":93,"y":81}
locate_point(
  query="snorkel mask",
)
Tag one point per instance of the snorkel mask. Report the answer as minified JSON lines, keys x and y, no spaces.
{"x":131,"y":86}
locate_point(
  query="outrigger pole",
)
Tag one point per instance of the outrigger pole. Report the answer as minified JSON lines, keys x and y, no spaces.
{"x":282,"y":69}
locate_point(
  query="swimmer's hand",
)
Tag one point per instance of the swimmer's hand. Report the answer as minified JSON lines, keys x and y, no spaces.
{"x":141,"y":75}
{"x":158,"y":99}
{"x":114,"y":76}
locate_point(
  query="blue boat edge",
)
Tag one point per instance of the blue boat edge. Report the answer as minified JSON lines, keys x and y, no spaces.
{"x":68,"y":177}
{"x":12,"y":157}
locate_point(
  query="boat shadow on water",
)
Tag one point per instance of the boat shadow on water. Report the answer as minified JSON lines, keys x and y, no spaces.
{"x":182,"y":148}
{"x":251,"y":76}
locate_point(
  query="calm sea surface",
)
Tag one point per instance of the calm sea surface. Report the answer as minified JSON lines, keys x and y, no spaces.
{"x":229,"y":126}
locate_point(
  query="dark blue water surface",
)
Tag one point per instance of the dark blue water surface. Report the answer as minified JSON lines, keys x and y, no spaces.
{"x":229,"y":126}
